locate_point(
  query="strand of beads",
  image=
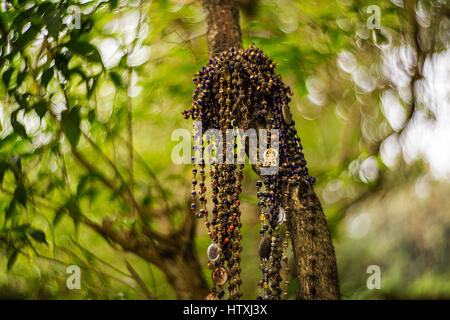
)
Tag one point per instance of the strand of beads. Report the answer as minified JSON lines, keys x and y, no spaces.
{"x":263,"y":249}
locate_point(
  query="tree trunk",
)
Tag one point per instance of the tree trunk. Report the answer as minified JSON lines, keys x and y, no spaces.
{"x":222,"y":26}
{"x":314,"y":255}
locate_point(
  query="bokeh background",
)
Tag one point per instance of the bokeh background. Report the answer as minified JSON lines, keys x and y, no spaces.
{"x":371,"y":105}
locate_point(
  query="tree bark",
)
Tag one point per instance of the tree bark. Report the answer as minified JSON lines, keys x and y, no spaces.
{"x":314,"y":254}
{"x":313,"y":249}
{"x":222,"y":26}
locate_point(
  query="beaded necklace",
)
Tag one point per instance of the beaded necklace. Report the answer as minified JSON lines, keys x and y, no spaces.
{"x":240,"y":87}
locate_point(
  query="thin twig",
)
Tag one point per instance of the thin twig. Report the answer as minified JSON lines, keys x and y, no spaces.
{"x":139,"y":281}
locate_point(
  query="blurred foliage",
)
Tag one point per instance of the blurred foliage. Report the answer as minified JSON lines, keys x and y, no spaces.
{"x":71,"y":96}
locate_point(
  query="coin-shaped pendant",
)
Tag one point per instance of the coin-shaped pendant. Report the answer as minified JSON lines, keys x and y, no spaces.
{"x":264,"y":248}
{"x":213,"y":252}
{"x":219,"y":276}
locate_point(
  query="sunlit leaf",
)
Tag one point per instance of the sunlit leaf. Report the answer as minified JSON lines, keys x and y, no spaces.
{"x":26,"y":37}
{"x":113,"y":4}
{"x":12,"y":259}
{"x":70,"y":120}
{"x":6,"y":77}
{"x":21,"y":195}
{"x":20,"y":77}
{"x":22,"y":100}
{"x":61,"y":61}
{"x":38,"y":235}
{"x":53,"y":22}
{"x":11,"y":210}
{"x":117,"y":80}
{"x":3,"y":168}
{"x":58,"y":216}
{"x":47,"y":76}
{"x":17,"y":126}
{"x":40,"y":108}
{"x":84,"y":49}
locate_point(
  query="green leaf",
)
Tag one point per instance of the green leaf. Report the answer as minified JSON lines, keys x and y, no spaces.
{"x":21,"y":195}
{"x":6,"y":77}
{"x":44,"y":8}
{"x":61,"y":61}
{"x":26,"y":37}
{"x":10,"y":210}
{"x":47,"y":75}
{"x":82,"y":183}
{"x":380,"y":38}
{"x":58,"y":215}
{"x":70,"y":120}
{"x":20,"y":77}
{"x":74,"y":212}
{"x":17,"y":126}
{"x":53,"y":22}
{"x":23,"y":17}
{"x":22,"y":100}
{"x":112,"y":4}
{"x":85,"y":49}
{"x":91,"y":116}
{"x":292,"y":287}
{"x":86,"y":25}
{"x":12,"y":259}
{"x":117,"y":79}
{"x":38,"y":235}
{"x":3,"y":168}
{"x":40,"y":108}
